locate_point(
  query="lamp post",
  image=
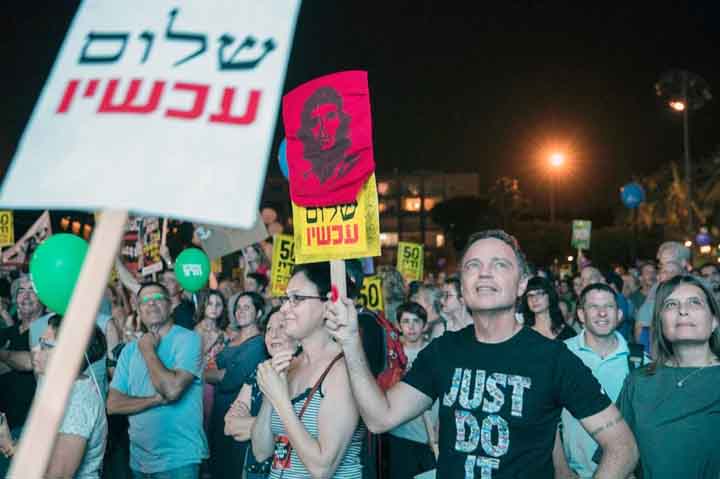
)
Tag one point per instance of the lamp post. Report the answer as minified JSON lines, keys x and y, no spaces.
{"x":556,"y":162}
{"x":684,"y":91}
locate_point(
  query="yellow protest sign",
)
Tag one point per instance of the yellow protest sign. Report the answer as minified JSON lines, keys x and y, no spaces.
{"x":371,"y":296}
{"x":283,"y":260}
{"x":216,"y":265}
{"x":7,"y":230}
{"x":410,"y":260}
{"x":339,"y":232}
{"x":237,"y":273}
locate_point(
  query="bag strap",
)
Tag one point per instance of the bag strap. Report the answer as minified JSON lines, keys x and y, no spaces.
{"x":310,"y":396}
{"x":318,"y":383}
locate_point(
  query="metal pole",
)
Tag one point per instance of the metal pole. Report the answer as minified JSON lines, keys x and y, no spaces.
{"x":686,"y":145}
{"x":552,"y":198}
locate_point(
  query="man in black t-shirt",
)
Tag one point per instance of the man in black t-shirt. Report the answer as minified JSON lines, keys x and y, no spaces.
{"x":501,"y":386}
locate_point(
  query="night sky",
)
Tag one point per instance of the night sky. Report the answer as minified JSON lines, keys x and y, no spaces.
{"x":485,"y":88}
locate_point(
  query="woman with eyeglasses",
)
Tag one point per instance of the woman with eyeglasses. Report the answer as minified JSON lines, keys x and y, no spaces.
{"x":80,"y":442}
{"x":673,"y":405}
{"x":308,"y":422}
{"x":241,"y":416}
{"x":235,"y":363}
{"x":541,"y":310}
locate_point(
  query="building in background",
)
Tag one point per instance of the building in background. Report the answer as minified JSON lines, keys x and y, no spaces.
{"x":405,"y":202}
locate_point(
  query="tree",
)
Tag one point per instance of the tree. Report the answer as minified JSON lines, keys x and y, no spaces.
{"x":507,"y":198}
{"x":461,"y":216}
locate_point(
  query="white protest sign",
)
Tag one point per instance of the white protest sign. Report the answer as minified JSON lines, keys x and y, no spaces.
{"x":163,"y":108}
{"x":219,"y":241}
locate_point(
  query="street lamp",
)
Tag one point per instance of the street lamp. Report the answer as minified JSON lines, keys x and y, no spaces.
{"x":684,"y":91}
{"x":557,"y":160}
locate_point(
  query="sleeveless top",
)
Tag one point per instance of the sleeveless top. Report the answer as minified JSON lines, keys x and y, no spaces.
{"x":350,"y":466}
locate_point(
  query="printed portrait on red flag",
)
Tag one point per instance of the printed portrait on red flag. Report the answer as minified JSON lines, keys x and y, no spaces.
{"x":329,"y":139}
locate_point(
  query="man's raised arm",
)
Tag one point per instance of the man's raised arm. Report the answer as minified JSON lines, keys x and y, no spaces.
{"x":380,"y":410}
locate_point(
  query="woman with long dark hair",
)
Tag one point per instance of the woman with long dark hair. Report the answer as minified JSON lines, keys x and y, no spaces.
{"x":541,"y":310}
{"x":210,"y":321}
{"x":673,"y":405}
{"x":308,"y":422}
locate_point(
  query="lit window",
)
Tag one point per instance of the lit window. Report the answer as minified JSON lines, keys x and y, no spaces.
{"x":382,"y":207}
{"x":430,"y":203}
{"x":383,"y":187}
{"x":439,"y":240}
{"x":411,"y":204}
{"x":388,"y":239}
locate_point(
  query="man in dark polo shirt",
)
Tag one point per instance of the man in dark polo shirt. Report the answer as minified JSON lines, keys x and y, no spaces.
{"x":501,"y":386}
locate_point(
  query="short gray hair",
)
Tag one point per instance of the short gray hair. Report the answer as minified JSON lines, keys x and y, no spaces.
{"x":15,"y":286}
{"x":679,"y":251}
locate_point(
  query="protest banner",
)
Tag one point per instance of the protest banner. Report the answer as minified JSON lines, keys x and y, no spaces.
{"x":150,"y":238}
{"x":216,"y":265}
{"x":581,"y":230}
{"x":338,"y":232}
{"x":21,"y":251}
{"x":137,"y":80}
{"x":7,"y":229}
{"x":218,"y":241}
{"x":329,"y":153}
{"x":410,"y":259}
{"x":371,"y":294}
{"x":139,"y":91}
{"x":283,"y":260}
{"x":328,"y":127}
{"x":130,"y":246}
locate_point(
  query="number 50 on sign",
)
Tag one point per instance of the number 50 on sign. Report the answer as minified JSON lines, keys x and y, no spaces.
{"x":410,"y":261}
{"x":371,"y":293}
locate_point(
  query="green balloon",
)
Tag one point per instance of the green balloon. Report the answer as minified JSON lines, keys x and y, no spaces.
{"x":192,"y":269}
{"x":55,"y":266}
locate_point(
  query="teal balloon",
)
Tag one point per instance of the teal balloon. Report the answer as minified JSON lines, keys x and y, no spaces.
{"x":55,"y":266}
{"x":192,"y":269}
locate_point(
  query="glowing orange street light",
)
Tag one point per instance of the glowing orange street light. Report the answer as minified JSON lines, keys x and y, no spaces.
{"x":557,"y":159}
{"x":677,"y":105}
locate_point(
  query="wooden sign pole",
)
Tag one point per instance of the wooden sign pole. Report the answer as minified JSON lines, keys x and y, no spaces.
{"x":49,"y":405}
{"x":337,"y":277}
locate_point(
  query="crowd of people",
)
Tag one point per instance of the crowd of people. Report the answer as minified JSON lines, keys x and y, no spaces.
{"x":499,"y":369}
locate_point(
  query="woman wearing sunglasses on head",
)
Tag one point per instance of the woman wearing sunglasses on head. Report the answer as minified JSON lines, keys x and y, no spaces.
{"x":308,"y":422}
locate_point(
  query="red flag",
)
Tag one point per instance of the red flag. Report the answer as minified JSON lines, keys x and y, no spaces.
{"x":329,"y":139}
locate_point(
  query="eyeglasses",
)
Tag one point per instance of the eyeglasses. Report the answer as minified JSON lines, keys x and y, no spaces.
{"x":45,"y":344}
{"x":155,"y":297}
{"x":295,"y":299}
{"x":446,"y":296}
{"x":691,"y":304}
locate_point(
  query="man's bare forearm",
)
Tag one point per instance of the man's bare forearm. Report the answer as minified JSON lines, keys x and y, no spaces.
{"x":119,"y":403}
{"x":620,"y":455}
{"x":165,"y":381}
{"x":371,"y":400}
